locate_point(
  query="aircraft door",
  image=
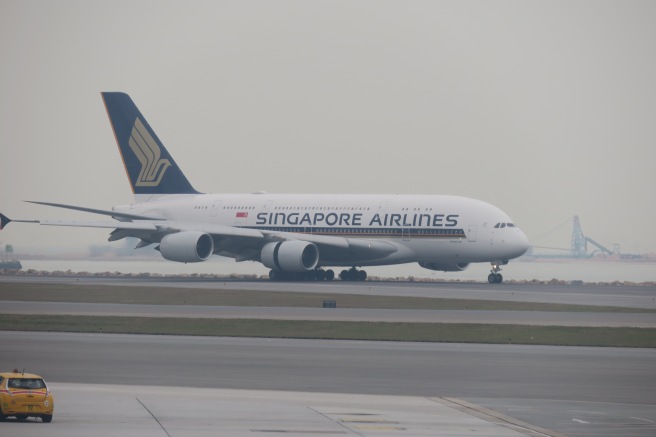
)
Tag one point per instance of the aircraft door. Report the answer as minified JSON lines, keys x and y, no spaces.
{"x":214,"y":210}
{"x":471,"y":233}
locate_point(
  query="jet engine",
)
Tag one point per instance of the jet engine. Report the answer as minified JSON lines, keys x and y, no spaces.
{"x":187,"y":246}
{"x":290,"y":256}
{"x":445,"y":267}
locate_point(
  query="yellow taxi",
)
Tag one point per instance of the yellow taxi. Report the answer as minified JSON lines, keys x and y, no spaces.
{"x":24,"y":395}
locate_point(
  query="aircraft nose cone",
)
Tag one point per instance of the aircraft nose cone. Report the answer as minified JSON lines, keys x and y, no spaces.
{"x":521,"y":244}
{"x":515,"y":244}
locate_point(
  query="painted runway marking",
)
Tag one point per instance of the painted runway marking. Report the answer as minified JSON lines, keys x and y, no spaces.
{"x":156,"y":419}
{"x":580,"y":421}
{"x":587,"y":412}
{"x":646,"y":420}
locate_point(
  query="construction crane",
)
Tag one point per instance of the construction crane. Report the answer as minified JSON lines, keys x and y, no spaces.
{"x":579,"y":246}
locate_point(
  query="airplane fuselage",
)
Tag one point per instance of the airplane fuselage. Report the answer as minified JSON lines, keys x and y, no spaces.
{"x":422,"y":228}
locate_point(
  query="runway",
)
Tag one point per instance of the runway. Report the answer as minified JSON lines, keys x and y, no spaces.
{"x":596,"y":295}
{"x":356,"y":367}
{"x":574,"y":391}
{"x":534,"y":318}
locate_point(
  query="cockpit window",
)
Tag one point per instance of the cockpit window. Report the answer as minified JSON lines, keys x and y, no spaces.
{"x":503,"y":225}
{"x":497,"y":225}
{"x":511,"y":225}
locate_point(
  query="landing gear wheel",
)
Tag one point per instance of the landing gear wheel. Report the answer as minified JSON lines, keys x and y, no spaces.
{"x":278,"y":275}
{"x":310,"y":275}
{"x":353,"y":274}
{"x":495,"y":278}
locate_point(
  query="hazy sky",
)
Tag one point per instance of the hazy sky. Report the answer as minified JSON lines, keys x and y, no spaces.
{"x":545,"y":109}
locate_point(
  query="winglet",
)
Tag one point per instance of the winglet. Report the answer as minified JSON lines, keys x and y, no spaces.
{"x":4,"y":221}
{"x":150,"y":168}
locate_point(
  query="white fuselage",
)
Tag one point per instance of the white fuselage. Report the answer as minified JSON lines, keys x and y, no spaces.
{"x":423,"y":228}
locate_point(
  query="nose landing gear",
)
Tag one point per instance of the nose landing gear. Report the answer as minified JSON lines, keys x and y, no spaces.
{"x":495,"y":277}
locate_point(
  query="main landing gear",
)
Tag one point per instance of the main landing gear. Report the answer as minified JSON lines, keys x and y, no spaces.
{"x":353,"y":274}
{"x":495,"y":277}
{"x":312,"y":275}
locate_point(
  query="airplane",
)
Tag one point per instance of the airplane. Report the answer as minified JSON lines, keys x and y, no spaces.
{"x":296,"y":236}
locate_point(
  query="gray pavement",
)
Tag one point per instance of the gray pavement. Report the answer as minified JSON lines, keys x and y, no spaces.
{"x":599,"y":295}
{"x":554,"y":387}
{"x":575,"y":391}
{"x":111,"y":410}
{"x":582,"y":419}
{"x":541,"y":318}
{"x":620,"y":375}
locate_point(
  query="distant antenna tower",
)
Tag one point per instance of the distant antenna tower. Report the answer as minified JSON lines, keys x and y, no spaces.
{"x":579,"y":247}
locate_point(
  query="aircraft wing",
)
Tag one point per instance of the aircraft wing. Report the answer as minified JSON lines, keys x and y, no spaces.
{"x":240,"y":243}
{"x":374,"y":248}
{"x":157,"y":226}
{"x":115,"y":214}
{"x":109,"y":224}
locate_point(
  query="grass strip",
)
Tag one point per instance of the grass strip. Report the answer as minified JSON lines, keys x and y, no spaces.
{"x":382,"y":331}
{"x":90,"y":293}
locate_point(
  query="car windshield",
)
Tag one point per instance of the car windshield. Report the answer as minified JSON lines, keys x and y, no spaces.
{"x":26,"y":383}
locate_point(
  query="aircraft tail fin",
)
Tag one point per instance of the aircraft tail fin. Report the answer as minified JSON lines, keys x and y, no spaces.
{"x":150,"y":168}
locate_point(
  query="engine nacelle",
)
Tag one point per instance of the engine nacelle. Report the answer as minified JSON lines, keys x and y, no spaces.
{"x":445,"y":267}
{"x":187,"y":246}
{"x":290,"y":256}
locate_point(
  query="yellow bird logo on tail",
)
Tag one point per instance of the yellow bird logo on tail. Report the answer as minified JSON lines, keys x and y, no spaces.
{"x":148,"y":153}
